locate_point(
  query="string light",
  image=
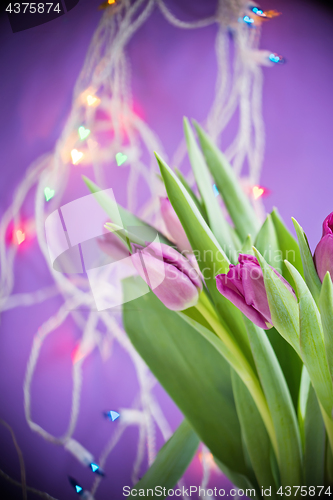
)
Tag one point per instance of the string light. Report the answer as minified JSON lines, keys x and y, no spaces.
{"x":120,"y":158}
{"x":93,"y":101}
{"x":271,"y":13}
{"x":111,"y":415}
{"x":258,"y":12}
{"x":77,"y":487}
{"x":76,"y":156}
{"x":248,"y":20}
{"x":96,"y":469}
{"x":83,"y":133}
{"x":275,"y":58}
{"x":49,"y":193}
{"x":107,"y":4}
{"x":259,"y":191}
{"x":208,"y":457}
{"x":20,"y":236}
{"x":215,"y":190}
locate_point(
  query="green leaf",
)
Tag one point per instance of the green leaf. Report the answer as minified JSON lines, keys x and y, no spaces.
{"x":230,"y":351}
{"x":312,"y":343}
{"x":282,"y":304}
{"x":289,"y":361}
{"x":239,"y":480}
{"x":326,"y":311}
{"x":216,"y":220}
{"x":280,"y":404}
{"x":268,"y":245}
{"x":309,"y":270}
{"x":288,"y":246}
{"x":171,"y":462}
{"x":190,"y":369}
{"x":237,"y":203}
{"x":236,"y":240}
{"x":204,"y":243}
{"x":190,"y":191}
{"x":313,"y":433}
{"x":257,"y":443}
{"x":247,"y":247}
{"x":127,"y":218}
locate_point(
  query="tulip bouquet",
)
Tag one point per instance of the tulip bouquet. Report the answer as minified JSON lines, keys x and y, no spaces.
{"x":238,"y":329}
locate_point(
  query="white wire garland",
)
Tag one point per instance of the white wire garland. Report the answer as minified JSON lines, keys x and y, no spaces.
{"x":105,"y":77}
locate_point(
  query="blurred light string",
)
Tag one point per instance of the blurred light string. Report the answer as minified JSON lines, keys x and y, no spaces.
{"x":104,"y":85}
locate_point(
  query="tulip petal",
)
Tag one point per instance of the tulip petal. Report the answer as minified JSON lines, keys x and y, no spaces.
{"x":174,"y":226}
{"x":323,"y":256}
{"x":228,"y":289}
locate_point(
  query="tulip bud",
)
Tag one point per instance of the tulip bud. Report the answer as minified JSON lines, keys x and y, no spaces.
{"x":111,"y":245}
{"x":169,"y":274}
{"x":323,"y":256}
{"x":244,"y":286}
{"x":174,"y":226}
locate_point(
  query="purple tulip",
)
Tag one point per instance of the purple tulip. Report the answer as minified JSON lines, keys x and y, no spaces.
{"x":174,"y":226}
{"x":244,"y":286}
{"x":111,"y":245}
{"x":323,"y":256}
{"x":169,"y":274}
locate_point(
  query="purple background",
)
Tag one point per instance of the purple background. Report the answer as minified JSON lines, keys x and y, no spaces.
{"x":174,"y":75}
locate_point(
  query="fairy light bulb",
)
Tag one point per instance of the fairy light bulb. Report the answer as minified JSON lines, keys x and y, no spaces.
{"x":258,"y":191}
{"x":248,"y":20}
{"x":83,"y":132}
{"x":19,"y":236}
{"x":76,"y":156}
{"x":276,"y":59}
{"x":111,"y":415}
{"x":77,"y":487}
{"x":92,"y":100}
{"x":258,"y":12}
{"x":48,"y":193}
{"x":96,"y":469}
{"x":111,"y":2}
{"x":271,"y":13}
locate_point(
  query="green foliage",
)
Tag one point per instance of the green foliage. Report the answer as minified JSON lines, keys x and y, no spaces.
{"x":261,"y":401}
{"x":326,"y":311}
{"x":191,"y":370}
{"x":312,"y":343}
{"x":288,"y":246}
{"x":171,"y":462}
{"x":237,"y":203}
{"x":309,"y":270}
{"x":216,"y":220}
{"x":282,"y":304}
{"x":204,"y":243}
{"x":280,"y":404}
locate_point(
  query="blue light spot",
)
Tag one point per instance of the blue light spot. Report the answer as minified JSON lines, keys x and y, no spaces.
{"x":111,"y":415}
{"x":78,"y":488}
{"x":94,"y":467}
{"x":248,"y":20}
{"x":216,"y":191}
{"x":255,"y":9}
{"x":275,"y":58}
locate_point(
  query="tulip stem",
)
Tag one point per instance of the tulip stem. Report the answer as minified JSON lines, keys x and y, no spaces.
{"x":236,"y":358}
